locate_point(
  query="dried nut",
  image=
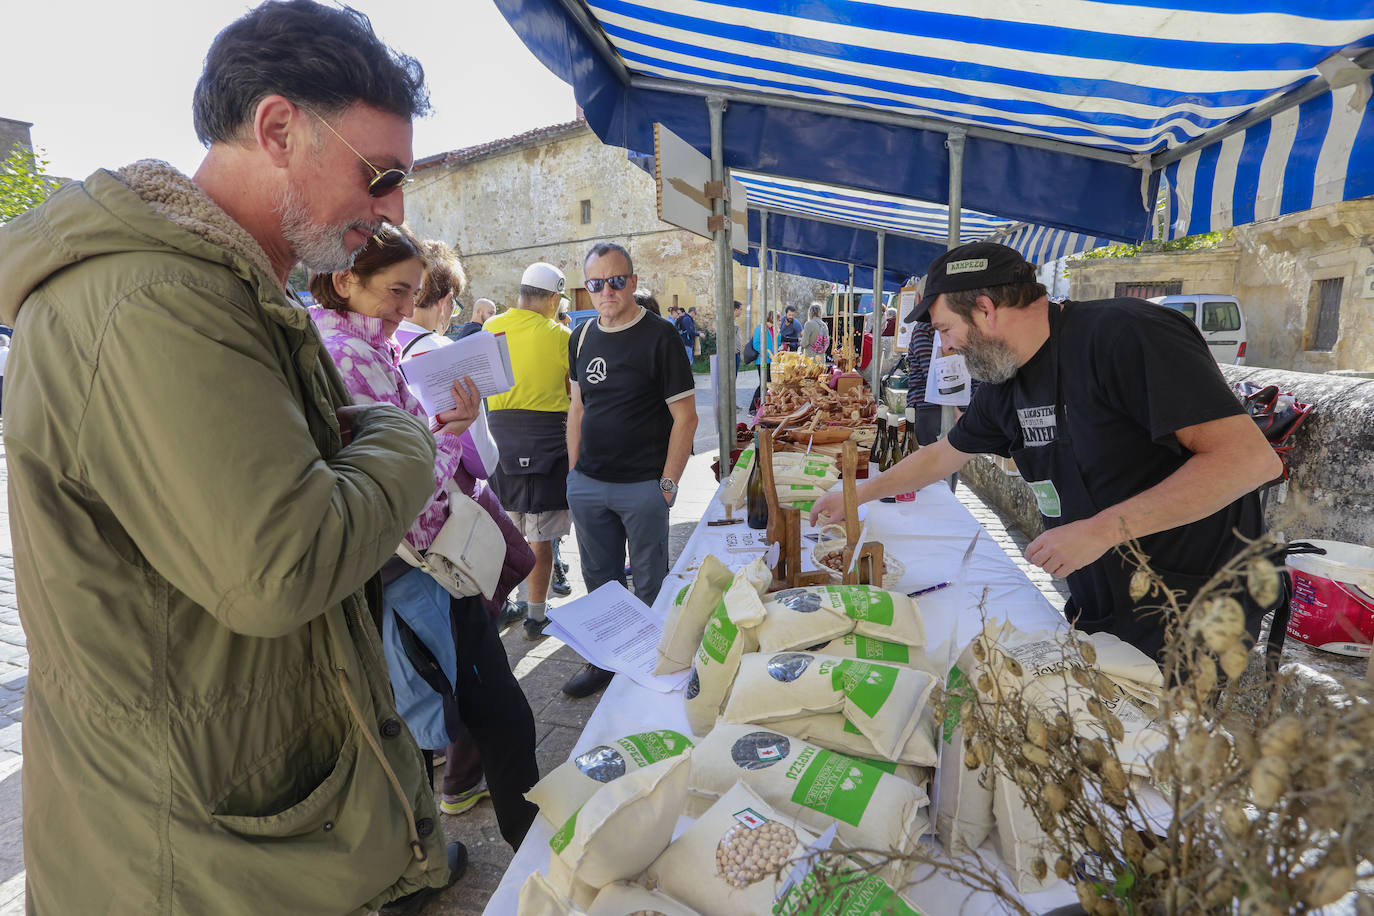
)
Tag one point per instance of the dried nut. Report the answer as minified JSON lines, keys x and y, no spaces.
{"x":1140,"y":584}
{"x":1268,"y":780}
{"x":1133,"y":845}
{"x":1262,"y":581}
{"x":1056,"y":798}
{"x":1039,"y":870}
{"x":1282,"y":738}
{"x":1036,"y":732}
{"x":1154,"y":863}
{"x":1327,"y":885}
{"x":1034,"y":754}
{"x":1234,"y":661}
{"x":1063,"y":868}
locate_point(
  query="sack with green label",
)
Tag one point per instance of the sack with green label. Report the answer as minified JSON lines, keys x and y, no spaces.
{"x":539,"y":897}
{"x":872,"y":649}
{"x":728,"y":862}
{"x":625,"y":825}
{"x":846,"y":892}
{"x":688,"y":615}
{"x":795,"y":620}
{"x":729,"y":634}
{"x":874,"y":809}
{"x":839,"y":734}
{"x":574,"y":781}
{"x":621,"y":899}
{"x":883,"y":702}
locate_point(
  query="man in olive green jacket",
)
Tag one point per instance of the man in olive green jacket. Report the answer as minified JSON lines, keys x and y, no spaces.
{"x":209,"y":726}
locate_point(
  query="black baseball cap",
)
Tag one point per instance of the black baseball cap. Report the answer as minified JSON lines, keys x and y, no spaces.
{"x":973,"y":266}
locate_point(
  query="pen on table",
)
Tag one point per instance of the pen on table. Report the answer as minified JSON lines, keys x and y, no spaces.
{"x":926,"y":591}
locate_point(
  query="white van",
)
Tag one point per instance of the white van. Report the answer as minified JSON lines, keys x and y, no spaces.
{"x":1220,"y":320}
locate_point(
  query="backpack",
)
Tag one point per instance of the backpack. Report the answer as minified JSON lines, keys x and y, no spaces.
{"x":819,"y":345}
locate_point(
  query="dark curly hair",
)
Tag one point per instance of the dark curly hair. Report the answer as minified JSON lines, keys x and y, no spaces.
{"x":322,"y":57}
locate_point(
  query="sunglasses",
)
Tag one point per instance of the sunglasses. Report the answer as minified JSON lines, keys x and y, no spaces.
{"x":386,"y":180}
{"x":616,"y":283}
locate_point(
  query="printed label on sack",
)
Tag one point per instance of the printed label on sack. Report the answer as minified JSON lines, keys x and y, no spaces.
{"x":760,"y":750}
{"x":560,"y":840}
{"x":860,"y":602}
{"x":720,"y":635}
{"x":1046,"y":497}
{"x":801,"y":600}
{"x":833,"y":784}
{"x":879,"y":650}
{"x":843,"y":894}
{"x":601,"y":763}
{"x":750,"y":818}
{"x":650,"y":747}
{"x":866,"y":684}
{"x":956,"y":695}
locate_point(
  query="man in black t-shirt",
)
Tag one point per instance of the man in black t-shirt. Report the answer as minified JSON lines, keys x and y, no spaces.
{"x":630,"y":432}
{"x":1118,"y":419}
{"x":789,"y":334}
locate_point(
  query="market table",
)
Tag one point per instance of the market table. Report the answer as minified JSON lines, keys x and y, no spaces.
{"x":930,"y":536}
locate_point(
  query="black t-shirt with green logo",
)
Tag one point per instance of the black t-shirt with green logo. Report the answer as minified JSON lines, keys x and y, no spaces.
{"x":626,"y":378}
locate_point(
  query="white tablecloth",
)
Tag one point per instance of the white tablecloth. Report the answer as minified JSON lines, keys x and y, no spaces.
{"x":930,"y":537}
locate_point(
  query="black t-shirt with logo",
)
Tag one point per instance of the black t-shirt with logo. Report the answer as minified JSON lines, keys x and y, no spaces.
{"x":1133,"y":373}
{"x":627,"y":377}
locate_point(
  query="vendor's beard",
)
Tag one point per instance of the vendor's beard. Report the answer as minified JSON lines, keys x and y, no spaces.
{"x":318,"y":246}
{"x":989,"y":359}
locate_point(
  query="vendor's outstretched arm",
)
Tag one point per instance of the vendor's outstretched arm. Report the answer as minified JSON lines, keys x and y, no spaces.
{"x":1230,"y":458}
{"x":929,"y":464}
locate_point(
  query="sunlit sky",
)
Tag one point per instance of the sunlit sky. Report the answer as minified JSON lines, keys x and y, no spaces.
{"x":106,"y":83}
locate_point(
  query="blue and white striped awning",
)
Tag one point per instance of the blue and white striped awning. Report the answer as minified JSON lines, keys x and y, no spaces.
{"x":1072,"y":109}
{"x":1041,"y":245}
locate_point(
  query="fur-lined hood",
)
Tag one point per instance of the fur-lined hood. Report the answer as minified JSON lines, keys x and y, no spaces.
{"x":147,"y":206}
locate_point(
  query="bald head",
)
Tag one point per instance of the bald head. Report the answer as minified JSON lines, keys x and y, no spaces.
{"x":483,"y":309}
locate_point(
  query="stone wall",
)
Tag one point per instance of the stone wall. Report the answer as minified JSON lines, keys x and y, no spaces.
{"x":509,"y":204}
{"x":14,"y":133}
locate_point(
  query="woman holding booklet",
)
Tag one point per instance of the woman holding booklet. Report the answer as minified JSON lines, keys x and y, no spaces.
{"x":357,"y":312}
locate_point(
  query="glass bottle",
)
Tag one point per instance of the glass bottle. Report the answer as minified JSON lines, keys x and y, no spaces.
{"x":908,"y":440}
{"x":898,"y":447}
{"x":756,"y":500}
{"x":911,"y":443}
{"x":885,"y":459}
{"x":875,"y":453}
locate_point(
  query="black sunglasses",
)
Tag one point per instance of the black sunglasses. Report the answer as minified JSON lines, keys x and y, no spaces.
{"x":387,"y":180}
{"x":616,"y":283}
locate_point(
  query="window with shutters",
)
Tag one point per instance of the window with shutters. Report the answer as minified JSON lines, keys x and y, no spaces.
{"x":1324,"y":313}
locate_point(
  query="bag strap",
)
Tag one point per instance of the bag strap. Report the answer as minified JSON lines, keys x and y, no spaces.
{"x":413,"y":342}
{"x":411,"y":555}
{"x":582,"y":335}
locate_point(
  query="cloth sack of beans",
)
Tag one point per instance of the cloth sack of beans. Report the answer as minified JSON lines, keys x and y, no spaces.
{"x":844,"y":892}
{"x":839,"y":734}
{"x":873,"y":649}
{"x":963,"y":794}
{"x":575,"y":781}
{"x":729,"y":634}
{"x":538,"y":897}
{"x":622,"y":899}
{"x":871,"y":611}
{"x":688,"y":615}
{"x":1021,"y":840}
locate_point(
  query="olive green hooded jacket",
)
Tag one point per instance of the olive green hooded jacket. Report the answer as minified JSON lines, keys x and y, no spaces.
{"x":208,"y":726}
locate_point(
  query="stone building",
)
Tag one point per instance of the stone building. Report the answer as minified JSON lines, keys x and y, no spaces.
{"x":14,"y":133}
{"x":1305,"y":282}
{"x":548,"y":195}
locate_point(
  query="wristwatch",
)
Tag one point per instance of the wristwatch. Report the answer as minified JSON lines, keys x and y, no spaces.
{"x":667,"y":485}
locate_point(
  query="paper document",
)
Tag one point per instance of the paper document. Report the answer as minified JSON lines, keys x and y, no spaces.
{"x":613,"y":629}
{"x":483,"y":357}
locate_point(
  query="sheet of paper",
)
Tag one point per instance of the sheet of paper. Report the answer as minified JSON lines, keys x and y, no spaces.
{"x":481,"y":356}
{"x":613,"y":629}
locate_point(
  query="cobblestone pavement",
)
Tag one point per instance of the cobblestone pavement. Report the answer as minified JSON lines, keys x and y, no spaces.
{"x":541,"y":667}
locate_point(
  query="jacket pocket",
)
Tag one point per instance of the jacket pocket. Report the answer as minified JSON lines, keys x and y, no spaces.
{"x":321,"y":806}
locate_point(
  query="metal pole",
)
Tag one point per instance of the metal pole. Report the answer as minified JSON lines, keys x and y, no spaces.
{"x":765,"y":285}
{"x":876,"y":383}
{"x":725,"y":290}
{"x":955,"y":143}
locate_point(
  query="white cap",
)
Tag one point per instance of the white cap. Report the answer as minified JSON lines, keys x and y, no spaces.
{"x":544,"y":276}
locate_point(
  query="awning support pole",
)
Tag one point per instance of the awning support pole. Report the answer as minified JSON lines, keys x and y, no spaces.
{"x":880,"y":319}
{"x":955,"y":144}
{"x":765,"y":287}
{"x":725,"y":292}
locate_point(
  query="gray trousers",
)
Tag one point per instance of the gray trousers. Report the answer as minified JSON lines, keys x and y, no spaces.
{"x":608,"y":516}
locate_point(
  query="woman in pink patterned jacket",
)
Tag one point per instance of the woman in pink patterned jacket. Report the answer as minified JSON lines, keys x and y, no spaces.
{"x":357,"y":313}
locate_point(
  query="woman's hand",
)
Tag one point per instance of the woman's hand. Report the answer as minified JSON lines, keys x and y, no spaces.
{"x":466,"y":404}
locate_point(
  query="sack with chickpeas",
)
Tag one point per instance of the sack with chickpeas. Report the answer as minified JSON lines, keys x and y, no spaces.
{"x":795,"y":620}
{"x":874,"y":809}
{"x":539,"y":897}
{"x":873,"y":649}
{"x":687,"y":616}
{"x":621,"y":899}
{"x":729,"y":634}
{"x":575,"y":781}
{"x":839,"y":734}
{"x":843,"y":892}
{"x":730,"y":861}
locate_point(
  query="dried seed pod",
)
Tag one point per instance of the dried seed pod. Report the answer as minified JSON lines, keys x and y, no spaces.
{"x":1113,"y":725}
{"x":1025,"y":778}
{"x":1215,"y":758}
{"x":1153,"y":863}
{"x":1088,"y":651}
{"x":1140,"y":584}
{"x":1095,"y":707}
{"x":1104,"y":687}
{"x":980,"y":651}
{"x":1133,"y":845}
{"x":1219,"y":890}
{"x":1039,"y":870}
{"x":1056,"y":798}
{"x":1063,"y":725}
{"x":1222,"y":623}
{"x":1113,"y":775}
{"x":1282,"y":738}
{"x":1114,"y":797}
{"x":1014,"y":667}
{"x":1262,"y":581}
{"x":1036,"y":732}
{"x":970,"y":759}
{"x":1087,"y":897}
{"x":1246,"y":747}
{"x":1162,"y":766}
{"x":1235,"y":660}
{"x":983,"y":751}
{"x":1268,"y":780}
{"x":1062,"y":868}
{"x":1327,"y":885}
{"x":1092,"y":752}
{"x":1204,"y":677}
{"x":1082,"y":676}
{"x":1072,"y":784}
{"x":984,"y":683}
{"x":1234,"y":820}
{"x":1093,"y":837}
{"x":1035,"y":755}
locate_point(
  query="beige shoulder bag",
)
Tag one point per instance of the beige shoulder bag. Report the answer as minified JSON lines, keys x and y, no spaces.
{"x":468,"y":552}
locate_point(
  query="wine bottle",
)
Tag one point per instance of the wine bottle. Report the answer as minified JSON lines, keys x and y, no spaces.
{"x":911,"y":443}
{"x":875,"y":453}
{"x":755,"y":499}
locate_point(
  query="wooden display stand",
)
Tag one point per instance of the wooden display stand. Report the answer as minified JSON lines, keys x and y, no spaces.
{"x":784,"y":529}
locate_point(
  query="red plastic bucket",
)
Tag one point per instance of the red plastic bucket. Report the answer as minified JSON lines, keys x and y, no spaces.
{"x":1333,"y":598}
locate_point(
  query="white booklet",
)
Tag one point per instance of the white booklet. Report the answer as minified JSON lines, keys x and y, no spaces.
{"x":482,"y":356}
{"x":613,"y":629}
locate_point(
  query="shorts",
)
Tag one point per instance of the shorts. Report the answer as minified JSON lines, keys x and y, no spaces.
{"x":542,"y":526}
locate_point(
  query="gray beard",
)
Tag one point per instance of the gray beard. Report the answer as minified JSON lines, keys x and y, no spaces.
{"x":318,"y":246}
{"x":989,"y":360}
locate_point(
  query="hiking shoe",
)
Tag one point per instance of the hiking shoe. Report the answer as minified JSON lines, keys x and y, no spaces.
{"x":466,"y":800}
{"x":559,"y":586}
{"x":534,"y":629}
{"x":511,"y":612}
{"x":587,"y":681}
{"x":414,"y":904}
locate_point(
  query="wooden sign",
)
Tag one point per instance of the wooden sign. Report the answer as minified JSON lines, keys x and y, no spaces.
{"x":685,"y":190}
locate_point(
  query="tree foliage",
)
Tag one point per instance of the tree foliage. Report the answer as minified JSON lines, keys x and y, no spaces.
{"x":23,"y":184}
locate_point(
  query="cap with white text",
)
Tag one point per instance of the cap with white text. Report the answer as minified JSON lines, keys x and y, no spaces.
{"x":974,"y":266}
{"x":544,"y":276}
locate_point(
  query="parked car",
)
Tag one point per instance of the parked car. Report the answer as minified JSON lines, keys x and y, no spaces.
{"x":1220,"y":319}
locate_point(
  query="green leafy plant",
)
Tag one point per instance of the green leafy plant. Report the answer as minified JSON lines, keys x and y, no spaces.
{"x":23,"y":184}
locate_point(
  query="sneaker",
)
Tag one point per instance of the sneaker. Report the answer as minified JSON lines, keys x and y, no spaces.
{"x":534,"y":629}
{"x":511,"y":612}
{"x":414,"y":904}
{"x":464,"y":801}
{"x":587,"y":681}
{"x":559,"y":586}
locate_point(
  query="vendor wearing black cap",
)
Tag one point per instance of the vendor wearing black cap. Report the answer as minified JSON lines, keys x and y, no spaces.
{"x":1118,"y":419}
